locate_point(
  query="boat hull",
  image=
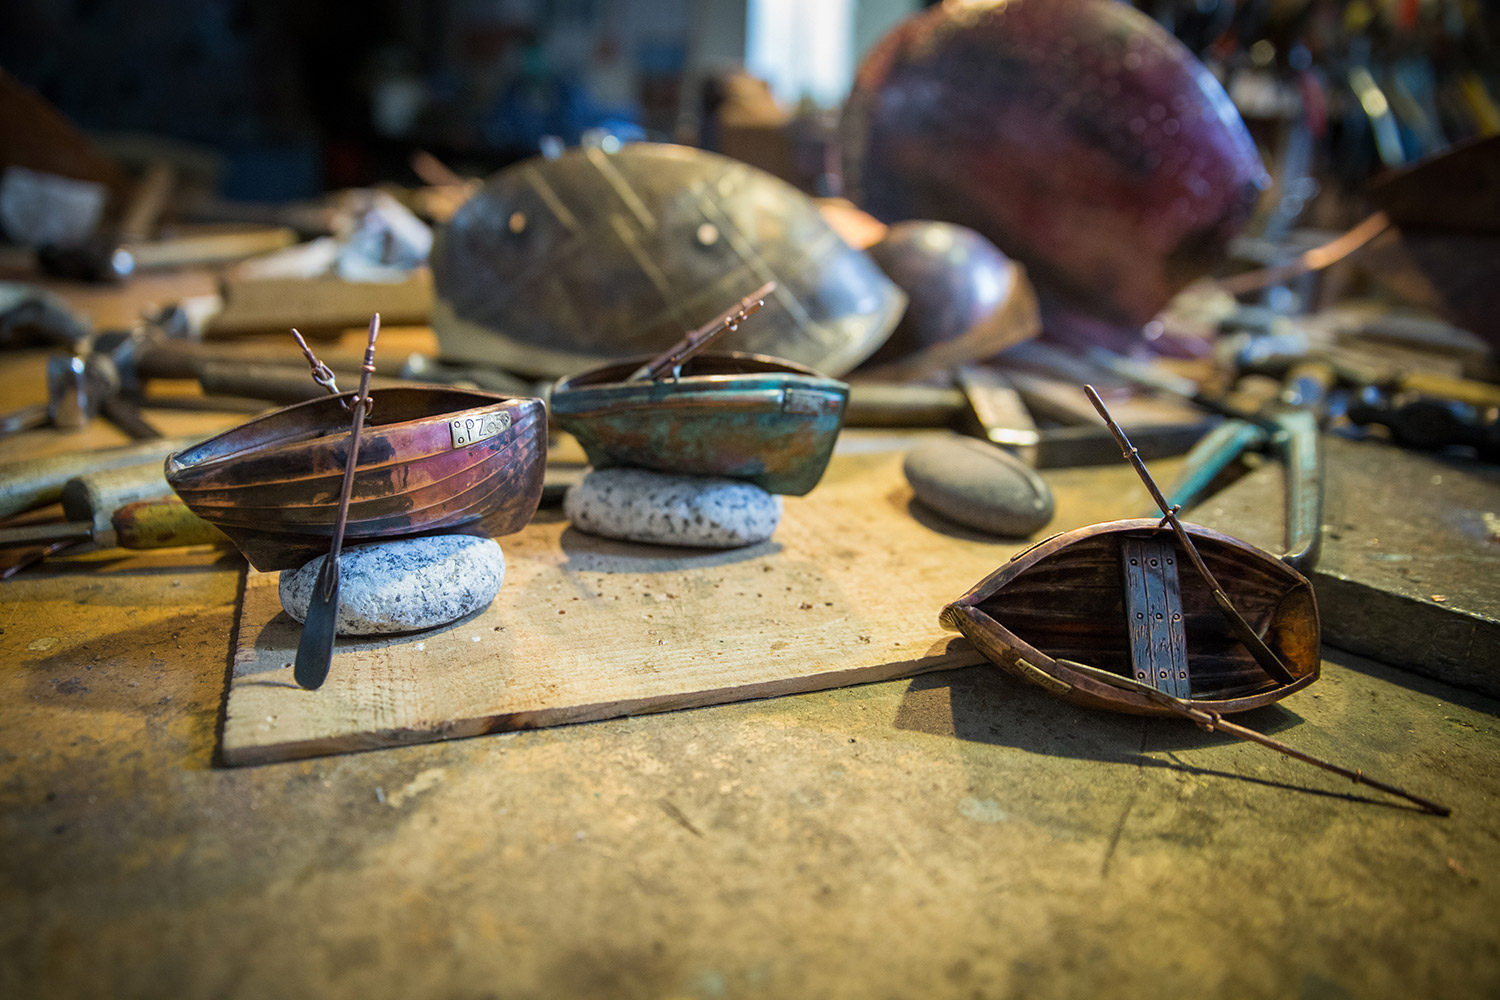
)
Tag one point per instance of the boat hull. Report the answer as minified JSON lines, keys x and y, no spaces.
{"x":432,"y":460}
{"x":1063,"y":601}
{"x":741,"y":416}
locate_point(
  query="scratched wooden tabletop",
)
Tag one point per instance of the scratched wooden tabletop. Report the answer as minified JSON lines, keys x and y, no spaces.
{"x":953,"y":834}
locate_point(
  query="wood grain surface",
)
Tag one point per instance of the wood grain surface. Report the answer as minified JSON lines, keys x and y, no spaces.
{"x":847,"y":591}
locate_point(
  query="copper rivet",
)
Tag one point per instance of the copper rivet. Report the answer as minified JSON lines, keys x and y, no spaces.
{"x":518,"y":222}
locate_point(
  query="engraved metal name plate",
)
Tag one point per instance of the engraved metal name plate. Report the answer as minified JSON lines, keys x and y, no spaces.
{"x":471,"y":430}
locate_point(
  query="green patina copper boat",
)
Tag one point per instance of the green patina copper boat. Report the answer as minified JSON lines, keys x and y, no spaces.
{"x":744,"y":416}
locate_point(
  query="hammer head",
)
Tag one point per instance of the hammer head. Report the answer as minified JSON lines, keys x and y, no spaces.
{"x":77,"y":386}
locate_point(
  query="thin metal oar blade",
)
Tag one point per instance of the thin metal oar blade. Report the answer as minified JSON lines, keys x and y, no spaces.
{"x":315,"y":648}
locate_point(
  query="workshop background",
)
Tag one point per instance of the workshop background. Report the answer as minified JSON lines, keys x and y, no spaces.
{"x":767,"y":771}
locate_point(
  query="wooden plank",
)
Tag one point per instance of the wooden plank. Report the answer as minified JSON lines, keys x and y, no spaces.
{"x":848,"y":591}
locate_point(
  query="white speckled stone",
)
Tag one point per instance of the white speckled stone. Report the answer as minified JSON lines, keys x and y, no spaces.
{"x":979,"y":486}
{"x":405,"y":585}
{"x":700,"y":511}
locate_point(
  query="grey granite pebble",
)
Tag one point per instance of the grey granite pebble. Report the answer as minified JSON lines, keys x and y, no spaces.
{"x":978,"y":485}
{"x":702,"y":511}
{"x":405,"y":585}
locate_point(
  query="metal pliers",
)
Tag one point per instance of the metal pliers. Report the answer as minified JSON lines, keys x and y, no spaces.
{"x":1287,"y":426}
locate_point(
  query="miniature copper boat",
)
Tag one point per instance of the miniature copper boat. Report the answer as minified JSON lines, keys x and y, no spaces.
{"x":432,"y":460}
{"x":744,"y":416}
{"x":1110,"y":597}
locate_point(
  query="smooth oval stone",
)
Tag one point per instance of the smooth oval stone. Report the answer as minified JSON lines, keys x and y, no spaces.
{"x":405,"y":585}
{"x":978,"y":485}
{"x":699,"y":511}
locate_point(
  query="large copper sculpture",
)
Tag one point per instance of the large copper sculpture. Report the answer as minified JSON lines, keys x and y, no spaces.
{"x":559,"y":265}
{"x":1078,"y":135}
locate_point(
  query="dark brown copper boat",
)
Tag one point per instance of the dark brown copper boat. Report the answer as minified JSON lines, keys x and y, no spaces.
{"x":1109,"y":597}
{"x":432,"y":460}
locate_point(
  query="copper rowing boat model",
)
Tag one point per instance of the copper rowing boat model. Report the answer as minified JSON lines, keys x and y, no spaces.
{"x":1131,"y":616}
{"x":432,"y":460}
{"x":754,"y":417}
{"x":1123,"y":598}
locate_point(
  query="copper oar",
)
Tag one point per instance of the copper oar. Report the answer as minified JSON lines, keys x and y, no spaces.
{"x":730,"y":319}
{"x":1269,"y":661}
{"x":315,"y":649}
{"x":1211,"y":721}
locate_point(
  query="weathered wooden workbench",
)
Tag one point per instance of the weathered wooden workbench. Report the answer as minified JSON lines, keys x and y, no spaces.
{"x":956,"y":834}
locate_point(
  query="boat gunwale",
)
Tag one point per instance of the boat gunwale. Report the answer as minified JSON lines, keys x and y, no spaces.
{"x":1104,"y":694}
{"x":198,"y":491}
{"x":177,"y":465}
{"x":193,"y":472}
{"x":695,"y":396}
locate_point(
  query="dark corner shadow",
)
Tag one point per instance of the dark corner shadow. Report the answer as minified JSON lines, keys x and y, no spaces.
{"x":593,"y":554}
{"x":1420,"y":683}
{"x":933,"y":521}
{"x":987,"y":705}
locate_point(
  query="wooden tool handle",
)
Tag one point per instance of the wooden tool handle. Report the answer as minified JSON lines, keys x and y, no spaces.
{"x":27,"y":483}
{"x":95,"y":497}
{"x":162,"y":523}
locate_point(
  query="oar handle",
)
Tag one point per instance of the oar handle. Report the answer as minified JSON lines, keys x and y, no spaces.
{"x":1211,"y":721}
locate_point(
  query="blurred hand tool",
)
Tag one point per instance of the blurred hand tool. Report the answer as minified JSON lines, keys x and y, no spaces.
{"x":1293,"y":436}
{"x":982,"y":404}
{"x":31,"y":482}
{"x":32,"y":316}
{"x":80,"y":388}
{"x":1356,"y":372}
{"x":131,"y":507}
{"x":110,"y":259}
{"x":1429,"y":423}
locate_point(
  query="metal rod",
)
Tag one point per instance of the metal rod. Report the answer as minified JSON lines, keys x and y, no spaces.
{"x":1211,"y":721}
{"x":361,"y":405}
{"x":319,"y":628}
{"x":1315,"y":259}
{"x":673,"y":357}
{"x":1263,"y":654}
